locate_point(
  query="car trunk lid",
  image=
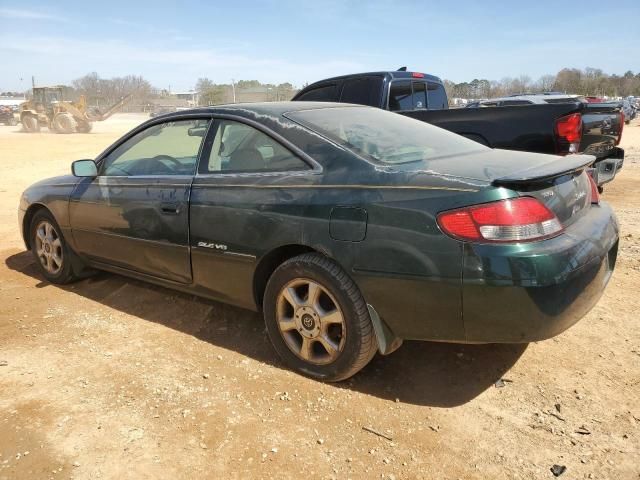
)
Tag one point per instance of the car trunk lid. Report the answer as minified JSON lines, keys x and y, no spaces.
{"x":566,"y":192}
{"x":561,"y":183}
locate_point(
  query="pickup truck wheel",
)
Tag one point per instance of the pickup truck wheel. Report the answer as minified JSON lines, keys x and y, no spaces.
{"x":52,"y":254}
{"x":317,"y":319}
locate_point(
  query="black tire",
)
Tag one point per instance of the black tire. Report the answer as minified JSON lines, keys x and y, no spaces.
{"x":64,"y":123}
{"x":30,"y":124}
{"x":84,"y":127}
{"x":359,"y":345}
{"x":66,"y":272}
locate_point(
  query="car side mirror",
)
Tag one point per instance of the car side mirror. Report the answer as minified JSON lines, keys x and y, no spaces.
{"x":84,"y":168}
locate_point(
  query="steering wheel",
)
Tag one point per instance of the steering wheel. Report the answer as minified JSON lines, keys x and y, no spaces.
{"x":170,"y":158}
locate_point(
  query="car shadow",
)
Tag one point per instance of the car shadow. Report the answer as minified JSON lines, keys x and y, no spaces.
{"x":420,"y":373}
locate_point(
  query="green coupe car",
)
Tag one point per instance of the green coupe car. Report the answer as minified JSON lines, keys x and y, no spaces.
{"x":349,"y":227}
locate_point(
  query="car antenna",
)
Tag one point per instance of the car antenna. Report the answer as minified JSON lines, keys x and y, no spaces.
{"x":402,"y":69}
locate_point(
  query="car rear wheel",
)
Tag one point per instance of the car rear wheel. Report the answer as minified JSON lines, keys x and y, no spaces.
{"x":317,"y":319}
{"x":53,"y":256}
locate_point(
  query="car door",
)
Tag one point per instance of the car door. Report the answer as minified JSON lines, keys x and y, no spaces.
{"x":135,"y":213}
{"x":238,"y":212}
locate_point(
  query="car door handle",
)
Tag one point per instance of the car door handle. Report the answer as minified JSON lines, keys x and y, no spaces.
{"x":170,"y":208}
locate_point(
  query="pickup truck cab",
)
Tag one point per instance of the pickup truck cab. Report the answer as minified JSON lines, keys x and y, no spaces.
{"x":560,"y":128}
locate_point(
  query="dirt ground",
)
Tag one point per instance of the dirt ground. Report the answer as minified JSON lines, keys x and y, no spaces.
{"x":113,"y":378}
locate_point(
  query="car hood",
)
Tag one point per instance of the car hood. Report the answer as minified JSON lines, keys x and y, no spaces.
{"x":488,"y":165}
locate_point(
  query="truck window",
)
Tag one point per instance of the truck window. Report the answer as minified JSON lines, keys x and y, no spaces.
{"x":362,"y":91}
{"x":326,"y":93}
{"x":419,"y":96}
{"x":400,"y":97}
{"x":437,"y":97}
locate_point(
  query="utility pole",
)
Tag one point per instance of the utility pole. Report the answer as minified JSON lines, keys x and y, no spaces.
{"x":233,"y":87}
{"x":33,"y":81}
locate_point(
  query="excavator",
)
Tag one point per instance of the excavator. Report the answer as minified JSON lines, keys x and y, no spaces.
{"x":47,"y":106}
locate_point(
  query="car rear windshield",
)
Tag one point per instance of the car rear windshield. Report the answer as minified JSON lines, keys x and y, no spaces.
{"x":383,"y":136}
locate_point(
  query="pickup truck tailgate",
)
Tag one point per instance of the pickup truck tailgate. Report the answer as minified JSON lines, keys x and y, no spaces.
{"x":602,"y":126}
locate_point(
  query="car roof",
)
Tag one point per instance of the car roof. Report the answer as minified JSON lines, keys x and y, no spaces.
{"x":272,"y":109}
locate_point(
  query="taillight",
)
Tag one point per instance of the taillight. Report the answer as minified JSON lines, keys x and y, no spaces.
{"x":621,"y":127}
{"x":515,"y":220}
{"x":595,"y":195}
{"x":569,"y":133}
{"x":417,"y":75}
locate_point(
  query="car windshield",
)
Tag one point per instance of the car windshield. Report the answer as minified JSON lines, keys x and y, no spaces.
{"x":383,"y":136}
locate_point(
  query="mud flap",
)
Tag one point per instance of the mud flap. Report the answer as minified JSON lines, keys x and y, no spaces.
{"x":80,"y":268}
{"x":387,"y":341}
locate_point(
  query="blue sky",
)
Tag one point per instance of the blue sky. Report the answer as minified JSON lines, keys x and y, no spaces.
{"x":174,"y":43}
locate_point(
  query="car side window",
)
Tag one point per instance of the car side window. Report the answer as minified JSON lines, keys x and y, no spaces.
{"x":238,"y":147}
{"x":400,"y":96}
{"x":169,"y":148}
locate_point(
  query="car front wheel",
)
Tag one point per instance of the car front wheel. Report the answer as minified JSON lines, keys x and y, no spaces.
{"x":53,"y":256}
{"x":317,"y":319}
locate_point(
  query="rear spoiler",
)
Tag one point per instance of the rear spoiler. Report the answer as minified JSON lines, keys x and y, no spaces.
{"x":556,"y":167}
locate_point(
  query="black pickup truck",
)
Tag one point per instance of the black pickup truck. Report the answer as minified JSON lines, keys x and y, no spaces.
{"x":560,"y":128}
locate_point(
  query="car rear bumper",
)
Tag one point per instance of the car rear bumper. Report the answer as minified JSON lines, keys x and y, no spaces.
{"x":530,"y":292}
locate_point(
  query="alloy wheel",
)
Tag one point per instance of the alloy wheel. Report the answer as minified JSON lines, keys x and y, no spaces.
{"x":49,"y":247}
{"x":310,"y":321}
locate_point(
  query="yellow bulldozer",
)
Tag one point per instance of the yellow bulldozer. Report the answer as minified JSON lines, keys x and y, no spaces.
{"x":48,"y":107}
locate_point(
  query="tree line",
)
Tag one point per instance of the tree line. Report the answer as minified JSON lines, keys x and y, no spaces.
{"x":108,"y":91}
{"x":103,"y":92}
{"x":211,"y":93}
{"x":590,"y":82}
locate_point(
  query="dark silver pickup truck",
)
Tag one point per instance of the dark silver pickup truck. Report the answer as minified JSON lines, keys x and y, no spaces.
{"x":552,"y":126}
